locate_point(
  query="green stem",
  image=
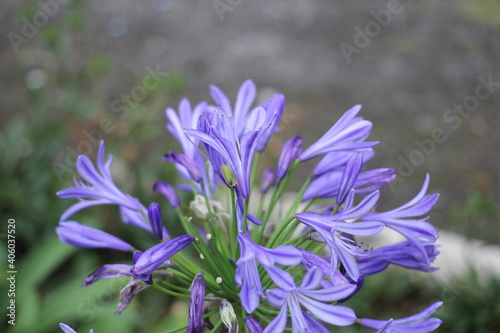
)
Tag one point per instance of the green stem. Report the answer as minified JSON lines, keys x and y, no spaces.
{"x":217,"y":326}
{"x":170,"y":292}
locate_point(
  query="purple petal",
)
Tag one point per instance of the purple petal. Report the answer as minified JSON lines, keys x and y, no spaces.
{"x":253,"y":325}
{"x":107,"y":272}
{"x":289,"y":153}
{"x":278,"y":324}
{"x":349,"y":176}
{"x":168,"y":192}
{"x":76,"y":234}
{"x":338,"y":315}
{"x":152,"y":258}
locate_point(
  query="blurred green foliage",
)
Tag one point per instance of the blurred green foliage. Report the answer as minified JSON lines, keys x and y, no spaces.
{"x":62,"y":100}
{"x":477,"y":216}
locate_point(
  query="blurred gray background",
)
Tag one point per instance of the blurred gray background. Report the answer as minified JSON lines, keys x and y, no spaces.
{"x":409,"y":63}
{"x":72,"y":72}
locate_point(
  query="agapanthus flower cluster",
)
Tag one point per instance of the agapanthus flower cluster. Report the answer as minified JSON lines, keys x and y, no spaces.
{"x":261,"y":263}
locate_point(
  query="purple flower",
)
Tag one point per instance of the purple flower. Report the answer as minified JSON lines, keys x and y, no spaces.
{"x":328,"y":184}
{"x":289,"y":153}
{"x":195,"y":316}
{"x":419,"y":322}
{"x":403,"y":220}
{"x":194,"y":163}
{"x":154,"y":215}
{"x":67,"y":329}
{"x":311,"y":261}
{"x":225,"y":150}
{"x":338,"y":159}
{"x":268,"y":180}
{"x":247,"y":275}
{"x":253,"y":325}
{"x":244,"y":100}
{"x":187,"y":163}
{"x":290,"y":299}
{"x":108,"y":272}
{"x":187,"y":118}
{"x":128,"y":293}
{"x":76,"y":234}
{"x":338,"y":234}
{"x":168,"y":192}
{"x":153,"y":257}
{"x":99,"y":186}
{"x":348,"y":133}
{"x":403,"y":254}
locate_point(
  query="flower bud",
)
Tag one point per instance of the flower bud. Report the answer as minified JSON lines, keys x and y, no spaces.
{"x":253,"y":325}
{"x":268,"y":180}
{"x":195,"y":316}
{"x":228,"y":316}
{"x":154,"y":215}
{"x":290,"y":152}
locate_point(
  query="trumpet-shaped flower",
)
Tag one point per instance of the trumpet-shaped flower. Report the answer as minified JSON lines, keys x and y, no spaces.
{"x":225,"y":150}
{"x":307,"y":295}
{"x":338,"y":234}
{"x":100,"y":188}
{"x":419,"y":322}
{"x":247,"y":274}
{"x":404,"y":220}
{"x":403,"y":254}
{"x":328,"y":184}
{"x":338,"y":159}
{"x":348,"y":133}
